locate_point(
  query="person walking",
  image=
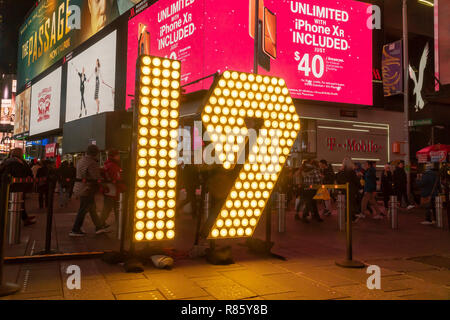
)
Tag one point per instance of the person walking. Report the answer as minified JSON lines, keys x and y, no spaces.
{"x":311,"y":177}
{"x":370,"y":188}
{"x":400,"y":181}
{"x":34,"y":169}
{"x":347,"y":174}
{"x":387,"y":185}
{"x":88,"y":171}
{"x":64,"y":181}
{"x":72,"y":176}
{"x":42,"y":184}
{"x":15,"y":166}
{"x":328,"y":177}
{"x":429,"y":186}
{"x":114,"y":186}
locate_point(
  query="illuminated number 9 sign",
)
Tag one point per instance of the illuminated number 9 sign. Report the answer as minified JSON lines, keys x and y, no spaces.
{"x":235,"y":97}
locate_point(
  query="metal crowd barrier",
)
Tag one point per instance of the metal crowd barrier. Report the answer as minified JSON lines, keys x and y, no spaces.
{"x":348,"y":262}
{"x":14,"y":219}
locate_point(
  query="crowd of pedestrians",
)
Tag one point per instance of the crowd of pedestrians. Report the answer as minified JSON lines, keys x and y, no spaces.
{"x":88,"y":179}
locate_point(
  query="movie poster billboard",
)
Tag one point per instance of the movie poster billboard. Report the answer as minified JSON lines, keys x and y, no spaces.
{"x":319,"y":47}
{"x":7,"y":112}
{"x":55,"y":27}
{"x":46,"y":103}
{"x":22,"y":112}
{"x":91,"y":80}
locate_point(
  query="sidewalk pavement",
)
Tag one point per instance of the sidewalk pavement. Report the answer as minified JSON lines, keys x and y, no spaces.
{"x":414,"y":262}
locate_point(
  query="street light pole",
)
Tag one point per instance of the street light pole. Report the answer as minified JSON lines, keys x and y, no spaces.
{"x":406,"y":95}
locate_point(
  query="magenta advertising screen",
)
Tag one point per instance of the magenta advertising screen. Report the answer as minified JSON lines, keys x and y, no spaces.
{"x":323,"y":49}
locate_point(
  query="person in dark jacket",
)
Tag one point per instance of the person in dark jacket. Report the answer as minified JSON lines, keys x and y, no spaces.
{"x":88,"y":171}
{"x":328,"y":177}
{"x":73,"y":176}
{"x":387,"y":185}
{"x":429,"y":186}
{"x":114,"y":187}
{"x":190,"y":181}
{"x":348,"y":175}
{"x":311,"y":177}
{"x":370,"y":190}
{"x":65,"y":181}
{"x":42,"y":184}
{"x":400,"y":182}
{"x":15,"y":166}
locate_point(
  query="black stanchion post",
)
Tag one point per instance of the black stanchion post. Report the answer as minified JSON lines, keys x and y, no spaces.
{"x":5,"y":288}
{"x":51,"y":180}
{"x":349,"y":262}
{"x":123,"y":223}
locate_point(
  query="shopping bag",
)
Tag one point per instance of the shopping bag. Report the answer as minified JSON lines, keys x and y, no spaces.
{"x":322,"y":194}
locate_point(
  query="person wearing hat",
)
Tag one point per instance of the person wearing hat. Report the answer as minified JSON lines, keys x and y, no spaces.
{"x":114,"y":186}
{"x":86,"y":186}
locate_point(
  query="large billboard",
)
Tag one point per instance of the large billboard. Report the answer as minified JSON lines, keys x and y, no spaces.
{"x":46,"y":103}
{"x":91,"y":80}
{"x":22,"y":112}
{"x":442,"y":40}
{"x":56,"y":27}
{"x":319,"y":48}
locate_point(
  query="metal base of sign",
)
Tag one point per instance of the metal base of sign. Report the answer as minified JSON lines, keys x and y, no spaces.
{"x":7,"y":289}
{"x":350,"y":264}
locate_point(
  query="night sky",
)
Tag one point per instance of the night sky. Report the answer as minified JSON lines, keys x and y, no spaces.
{"x":12,"y":14}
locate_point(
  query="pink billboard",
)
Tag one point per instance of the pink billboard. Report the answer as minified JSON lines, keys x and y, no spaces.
{"x":323,"y":49}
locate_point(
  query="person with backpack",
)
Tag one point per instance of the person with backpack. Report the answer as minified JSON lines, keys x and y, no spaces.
{"x":86,"y":186}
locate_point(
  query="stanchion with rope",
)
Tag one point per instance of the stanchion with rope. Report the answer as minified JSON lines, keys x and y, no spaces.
{"x":50,"y":203}
{"x":6,"y":288}
{"x":349,"y":262}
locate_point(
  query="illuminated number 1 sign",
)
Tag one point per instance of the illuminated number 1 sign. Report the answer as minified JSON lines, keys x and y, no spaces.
{"x":235,"y":97}
{"x":158,"y":92}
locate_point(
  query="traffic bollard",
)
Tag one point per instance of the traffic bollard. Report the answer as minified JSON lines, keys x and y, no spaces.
{"x":393,"y":209}
{"x":281,"y":208}
{"x":341,"y":212}
{"x":439,"y":209}
{"x":14,"y":217}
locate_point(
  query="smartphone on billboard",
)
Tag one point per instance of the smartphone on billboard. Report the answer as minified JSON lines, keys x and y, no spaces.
{"x":263,"y":58}
{"x":270,"y":33}
{"x":252,"y":9}
{"x":144,"y":40}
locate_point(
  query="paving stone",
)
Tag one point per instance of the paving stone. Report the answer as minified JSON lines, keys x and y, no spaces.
{"x":440,"y":294}
{"x":145,"y":295}
{"x":440,"y":277}
{"x":176,"y":286}
{"x":223,"y":288}
{"x":402,"y":265}
{"x":328,"y":278}
{"x":131,"y":285}
{"x":39,"y":279}
{"x":285,"y":296}
{"x":261,"y":285}
{"x":95,"y":289}
{"x":264,"y":268}
{"x":88,"y":269}
{"x":305,"y":287}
